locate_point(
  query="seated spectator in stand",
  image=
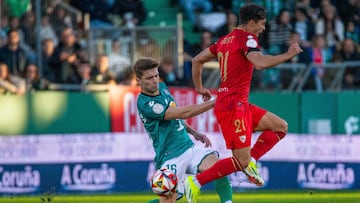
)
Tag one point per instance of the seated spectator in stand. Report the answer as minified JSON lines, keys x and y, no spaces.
{"x":319,"y":53}
{"x":278,"y":32}
{"x":349,"y":52}
{"x":206,"y":39}
{"x":287,"y":75}
{"x":118,"y":62}
{"x":352,"y":31}
{"x":13,"y":55}
{"x":82,"y":75}
{"x":132,"y":12}
{"x":9,"y":83}
{"x":65,"y":56}
{"x":47,"y":31}
{"x":34,"y":81}
{"x":100,"y":73}
{"x":303,"y":25}
{"x":130,"y":80}
{"x":48,"y":61}
{"x":231,"y":22}
{"x":58,"y":16}
{"x":147,"y":47}
{"x":191,"y":7}
{"x":167,"y":73}
{"x":28,"y":25}
{"x":331,"y":26}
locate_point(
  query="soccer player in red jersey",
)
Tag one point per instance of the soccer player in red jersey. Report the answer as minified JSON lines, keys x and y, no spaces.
{"x":238,"y":53}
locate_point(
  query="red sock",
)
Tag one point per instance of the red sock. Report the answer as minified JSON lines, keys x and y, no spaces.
{"x":265,"y":142}
{"x":220,"y":169}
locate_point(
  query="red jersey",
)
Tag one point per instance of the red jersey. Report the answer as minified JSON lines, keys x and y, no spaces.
{"x":236,"y":69}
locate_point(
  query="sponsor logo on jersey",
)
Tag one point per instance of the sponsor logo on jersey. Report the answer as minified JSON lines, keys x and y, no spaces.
{"x":158,"y":108}
{"x":251,"y":43}
{"x":242,"y":138}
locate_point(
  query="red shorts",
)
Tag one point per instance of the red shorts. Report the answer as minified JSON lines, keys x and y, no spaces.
{"x":237,"y":126}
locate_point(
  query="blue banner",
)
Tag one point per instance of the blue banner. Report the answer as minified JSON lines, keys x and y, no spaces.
{"x":133,"y":176}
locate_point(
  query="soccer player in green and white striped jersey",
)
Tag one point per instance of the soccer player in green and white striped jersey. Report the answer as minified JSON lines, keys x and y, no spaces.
{"x":163,"y":121}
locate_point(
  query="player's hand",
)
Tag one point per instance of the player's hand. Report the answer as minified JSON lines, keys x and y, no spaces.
{"x":203,"y":138}
{"x":295,"y":49}
{"x":206,"y":94}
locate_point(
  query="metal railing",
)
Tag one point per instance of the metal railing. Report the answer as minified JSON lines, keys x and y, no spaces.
{"x":301,"y":75}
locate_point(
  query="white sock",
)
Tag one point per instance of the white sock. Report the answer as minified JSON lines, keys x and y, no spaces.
{"x":196,"y":182}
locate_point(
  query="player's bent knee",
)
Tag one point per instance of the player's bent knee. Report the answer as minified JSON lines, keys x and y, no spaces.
{"x":283,"y":127}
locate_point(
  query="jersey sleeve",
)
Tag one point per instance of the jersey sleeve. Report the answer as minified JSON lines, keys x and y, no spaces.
{"x":212,"y":49}
{"x":250,"y":43}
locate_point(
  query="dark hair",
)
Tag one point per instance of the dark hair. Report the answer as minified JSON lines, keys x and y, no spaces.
{"x":252,"y":11}
{"x":11,"y":31}
{"x":144,"y":64}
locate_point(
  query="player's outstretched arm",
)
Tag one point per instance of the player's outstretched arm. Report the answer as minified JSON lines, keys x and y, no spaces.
{"x":188,"y":111}
{"x":197,"y":135}
{"x":197,"y":68}
{"x":261,"y":61}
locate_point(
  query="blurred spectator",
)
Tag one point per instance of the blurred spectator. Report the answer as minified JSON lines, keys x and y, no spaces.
{"x":47,"y":31}
{"x":34,"y":81}
{"x":319,"y":54}
{"x":28,"y":25}
{"x":330,"y":25}
{"x":100,"y":73}
{"x":147,"y":47}
{"x":118,"y":62}
{"x":349,"y":10}
{"x":130,"y":80}
{"x":4,"y":28}
{"x":48,"y":61}
{"x":206,"y":39}
{"x":287,"y":75}
{"x":58,"y":16}
{"x":65,"y":56}
{"x":349,"y":52}
{"x":303,"y":25}
{"x":15,"y":25}
{"x":311,"y":12}
{"x":13,"y":55}
{"x":190,"y":50}
{"x":303,"y":57}
{"x":191,"y":7}
{"x":97,"y":9}
{"x":10,"y":83}
{"x":131,"y":12}
{"x":279,"y":31}
{"x":82,"y":74}
{"x":167,"y":72}
{"x":352,"y":31}
{"x":17,"y":8}
{"x":231,"y":22}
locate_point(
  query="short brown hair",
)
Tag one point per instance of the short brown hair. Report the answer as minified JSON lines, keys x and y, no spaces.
{"x":253,"y":12}
{"x":144,"y":64}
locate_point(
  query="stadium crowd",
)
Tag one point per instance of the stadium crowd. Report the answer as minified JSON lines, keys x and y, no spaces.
{"x":328,"y":31}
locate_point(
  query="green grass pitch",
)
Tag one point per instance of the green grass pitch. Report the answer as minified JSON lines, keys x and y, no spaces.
{"x":243,"y":197}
